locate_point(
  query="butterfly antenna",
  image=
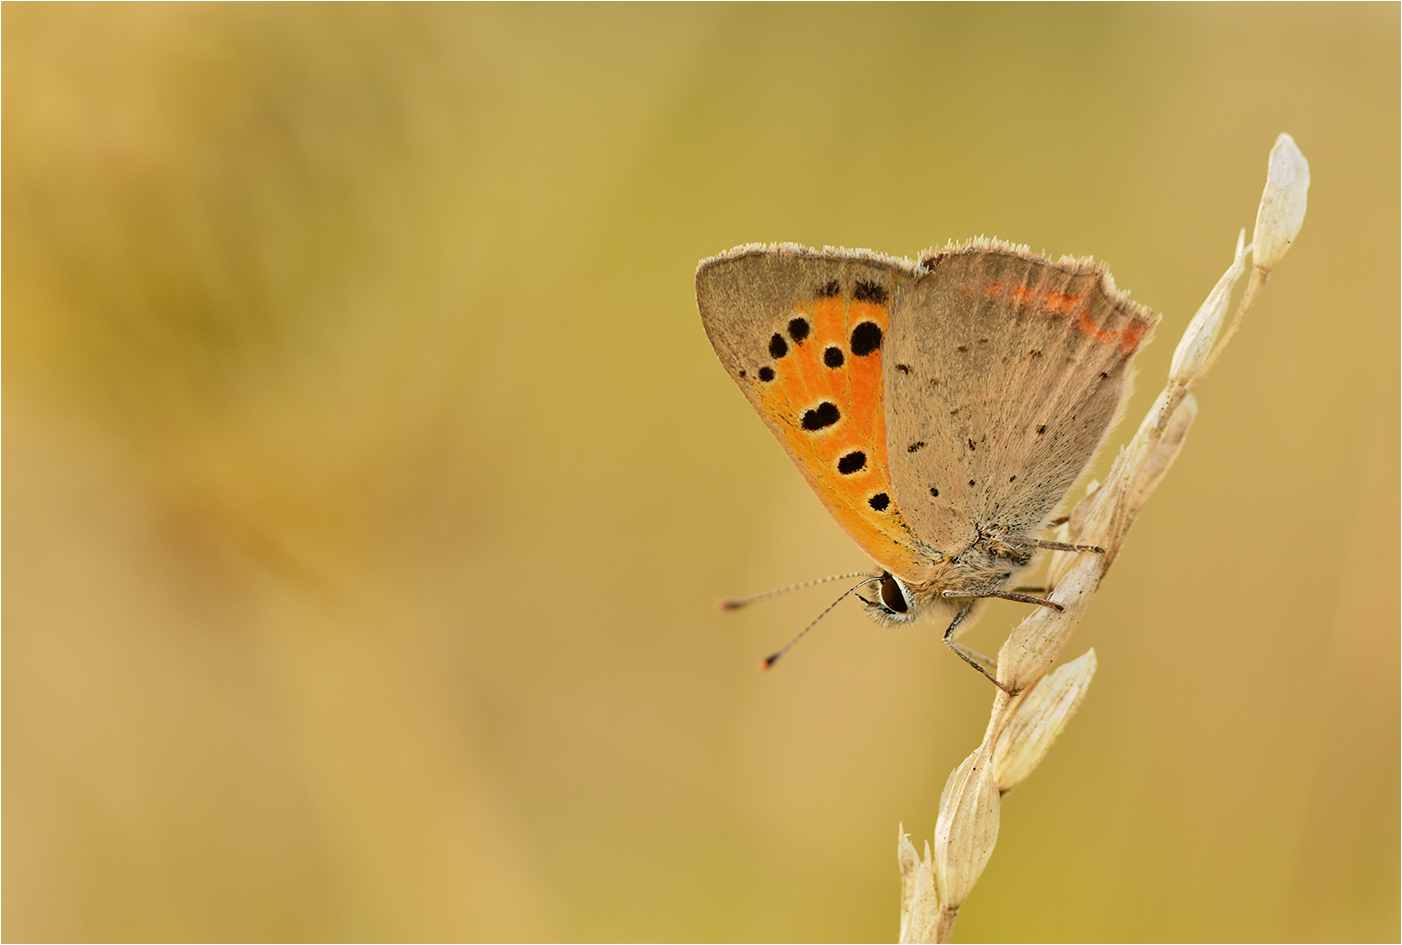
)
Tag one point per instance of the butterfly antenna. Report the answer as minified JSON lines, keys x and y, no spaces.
{"x":774,"y":658}
{"x":735,"y":603}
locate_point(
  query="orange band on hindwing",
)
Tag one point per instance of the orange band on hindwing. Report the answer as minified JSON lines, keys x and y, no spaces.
{"x":822,"y":387}
{"x":1050,"y":302}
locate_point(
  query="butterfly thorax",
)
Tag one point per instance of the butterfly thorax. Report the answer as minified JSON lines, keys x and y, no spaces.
{"x":983,"y":565}
{"x":948,"y":582}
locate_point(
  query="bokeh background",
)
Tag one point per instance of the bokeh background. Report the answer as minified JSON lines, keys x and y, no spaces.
{"x":368,"y":478}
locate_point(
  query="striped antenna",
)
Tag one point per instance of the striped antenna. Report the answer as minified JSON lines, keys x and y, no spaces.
{"x":769,"y":661}
{"x":735,"y":603}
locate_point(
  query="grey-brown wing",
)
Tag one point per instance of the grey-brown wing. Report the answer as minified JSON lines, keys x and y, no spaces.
{"x":1005,"y":372}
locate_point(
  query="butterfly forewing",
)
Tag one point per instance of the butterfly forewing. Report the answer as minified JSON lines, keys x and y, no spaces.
{"x":1004,"y":372}
{"x":803,"y":334}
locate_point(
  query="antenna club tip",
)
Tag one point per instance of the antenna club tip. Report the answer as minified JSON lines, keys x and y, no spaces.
{"x":767,"y":662}
{"x":726,"y":604}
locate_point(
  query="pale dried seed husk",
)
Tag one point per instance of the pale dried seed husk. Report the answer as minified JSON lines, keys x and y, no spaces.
{"x":920,"y":918}
{"x":967,"y":828}
{"x":1157,"y":464}
{"x":909,"y":865}
{"x":1038,"y":719}
{"x":1282,"y":209}
{"x":1195,"y":347}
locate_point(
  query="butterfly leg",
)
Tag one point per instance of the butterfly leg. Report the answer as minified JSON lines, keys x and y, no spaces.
{"x":1050,"y":545}
{"x":975,"y":659}
{"x":1040,"y":590}
{"x":1001,"y":594}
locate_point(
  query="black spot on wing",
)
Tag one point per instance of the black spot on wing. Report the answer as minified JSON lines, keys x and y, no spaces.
{"x":870,"y":292}
{"x":917,"y":445}
{"x":854,"y":461}
{"x":830,"y":289}
{"x":778,"y":347}
{"x":833,"y":356}
{"x":766,"y":374}
{"x":798,"y":329}
{"x":881,"y":502}
{"x":822,"y":416}
{"x":866,"y":338}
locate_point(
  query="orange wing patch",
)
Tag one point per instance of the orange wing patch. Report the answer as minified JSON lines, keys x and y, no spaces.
{"x":823,"y":387}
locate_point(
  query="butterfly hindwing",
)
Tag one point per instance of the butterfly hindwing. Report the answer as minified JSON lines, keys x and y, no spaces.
{"x":803,"y":335}
{"x":1005,"y":372}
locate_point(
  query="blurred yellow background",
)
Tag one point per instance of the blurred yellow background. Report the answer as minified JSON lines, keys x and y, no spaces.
{"x":368,"y":478}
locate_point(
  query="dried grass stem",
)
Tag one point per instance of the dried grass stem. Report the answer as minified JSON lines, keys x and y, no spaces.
{"x":1037,"y":703}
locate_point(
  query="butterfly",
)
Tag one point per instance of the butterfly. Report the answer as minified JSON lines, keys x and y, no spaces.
{"x":940,"y":409}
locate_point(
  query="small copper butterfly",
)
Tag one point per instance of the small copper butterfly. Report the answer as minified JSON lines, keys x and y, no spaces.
{"x":940,"y":409}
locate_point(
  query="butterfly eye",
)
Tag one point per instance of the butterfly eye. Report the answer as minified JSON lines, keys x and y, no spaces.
{"x":892,"y":595}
